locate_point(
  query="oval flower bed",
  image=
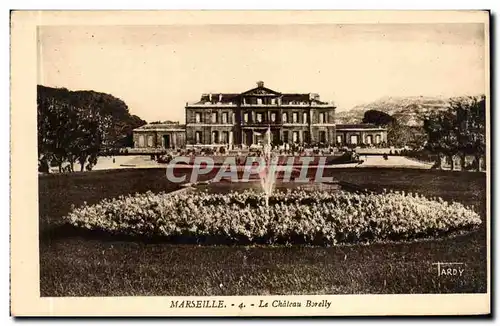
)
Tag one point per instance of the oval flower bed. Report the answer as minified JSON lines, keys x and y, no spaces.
{"x":293,"y":217}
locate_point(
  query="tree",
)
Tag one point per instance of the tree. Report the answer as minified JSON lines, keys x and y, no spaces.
{"x":66,"y":134}
{"x":435,"y":132}
{"x":417,"y":138}
{"x":75,"y":126}
{"x":378,"y":118}
{"x":131,"y":123}
{"x":470,"y":127}
{"x":400,"y":135}
{"x":460,"y":130}
{"x":449,"y":138}
{"x":478,"y":129}
{"x":113,"y":114}
{"x":442,"y":135}
{"x":56,"y":122}
{"x":164,"y":122}
{"x":88,"y":140}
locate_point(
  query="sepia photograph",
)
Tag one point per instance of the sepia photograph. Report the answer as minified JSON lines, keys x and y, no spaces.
{"x":273,"y":166}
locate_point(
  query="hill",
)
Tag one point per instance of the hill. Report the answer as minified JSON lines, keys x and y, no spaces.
{"x":406,"y":110}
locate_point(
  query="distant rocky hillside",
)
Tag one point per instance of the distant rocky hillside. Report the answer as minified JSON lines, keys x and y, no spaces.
{"x":407,"y":110}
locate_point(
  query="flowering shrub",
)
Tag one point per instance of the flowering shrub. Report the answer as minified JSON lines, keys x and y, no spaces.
{"x":292,"y":217}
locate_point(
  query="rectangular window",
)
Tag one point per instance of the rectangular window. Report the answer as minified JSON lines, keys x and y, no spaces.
{"x":322,"y":136}
{"x":224,"y":117}
{"x":295,"y":117}
{"x":285,"y":136}
{"x":377,"y":139}
{"x":273,"y":101}
{"x":233,"y":118}
{"x":141,"y":141}
{"x":295,"y":137}
{"x":321,"y":117}
{"x":245,"y":116}
{"x":198,"y":137}
{"x":198,"y":117}
{"x":369,"y":139}
{"x":215,"y":137}
{"x":150,"y":141}
{"x":259,"y":101}
{"x":260,"y":116}
{"x":339,"y":139}
{"x":354,"y":139}
{"x":225,"y":137}
{"x":306,"y":137}
{"x":214,"y":117}
{"x":285,"y":117}
{"x":273,"y":116}
{"x":304,"y":117}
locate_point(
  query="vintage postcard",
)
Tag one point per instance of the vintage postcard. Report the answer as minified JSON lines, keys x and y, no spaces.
{"x":250,"y":163}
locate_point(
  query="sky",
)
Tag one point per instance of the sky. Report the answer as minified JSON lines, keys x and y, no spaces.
{"x":157,"y":69}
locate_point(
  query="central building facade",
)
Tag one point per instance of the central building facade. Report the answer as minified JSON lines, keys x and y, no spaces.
{"x":243,"y":119}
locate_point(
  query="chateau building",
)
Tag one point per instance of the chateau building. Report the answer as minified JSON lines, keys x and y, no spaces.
{"x":242,"y":119}
{"x":357,"y":134}
{"x":160,"y":135}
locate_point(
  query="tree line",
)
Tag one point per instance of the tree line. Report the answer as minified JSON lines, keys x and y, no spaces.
{"x":460,"y":130}
{"x":75,"y":126}
{"x":456,"y":130}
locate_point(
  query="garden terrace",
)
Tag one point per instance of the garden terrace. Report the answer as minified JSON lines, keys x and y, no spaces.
{"x":75,"y":265}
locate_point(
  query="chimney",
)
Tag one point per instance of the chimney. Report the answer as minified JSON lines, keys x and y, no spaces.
{"x":260,"y":84}
{"x":314,"y":96}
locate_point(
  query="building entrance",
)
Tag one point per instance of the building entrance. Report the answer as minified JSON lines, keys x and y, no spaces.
{"x":166,"y":141}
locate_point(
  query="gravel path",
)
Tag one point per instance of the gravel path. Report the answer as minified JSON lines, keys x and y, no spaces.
{"x":138,"y":161}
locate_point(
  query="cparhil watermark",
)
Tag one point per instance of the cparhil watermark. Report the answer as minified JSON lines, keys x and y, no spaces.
{"x":449,"y":268}
{"x":231,"y":170}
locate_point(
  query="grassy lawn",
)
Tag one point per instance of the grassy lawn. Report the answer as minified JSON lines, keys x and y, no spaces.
{"x":78,"y":266}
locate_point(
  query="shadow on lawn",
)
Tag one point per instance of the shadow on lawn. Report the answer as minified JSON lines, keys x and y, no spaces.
{"x":66,"y":231}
